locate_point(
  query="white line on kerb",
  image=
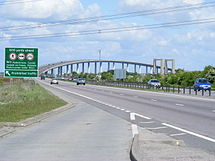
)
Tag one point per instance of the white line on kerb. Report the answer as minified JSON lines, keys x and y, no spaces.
{"x":190,"y":132}
{"x":134,"y":129}
{"x":180,"y":134}
{"x":132,"y":116}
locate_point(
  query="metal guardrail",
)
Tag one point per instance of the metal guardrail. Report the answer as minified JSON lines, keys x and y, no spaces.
{"x":143,"y":86}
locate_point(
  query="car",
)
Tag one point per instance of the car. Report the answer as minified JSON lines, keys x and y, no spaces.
{"x":54,"y":81}
{"x":81,"y":81}
{"x":154,"y":83}
{"x":42,"y":77}
{"x":202,"y":84}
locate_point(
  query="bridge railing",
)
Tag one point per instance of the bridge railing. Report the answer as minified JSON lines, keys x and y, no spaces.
{"x":144,"y":86}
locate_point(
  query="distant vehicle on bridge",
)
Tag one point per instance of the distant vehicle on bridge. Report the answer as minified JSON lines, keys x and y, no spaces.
{"x":202,"y":84}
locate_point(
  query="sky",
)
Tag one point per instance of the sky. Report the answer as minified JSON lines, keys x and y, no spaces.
{"x":191,"y":46}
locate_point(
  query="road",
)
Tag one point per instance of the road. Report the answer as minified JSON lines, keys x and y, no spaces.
{"x":102,"y":124}
{"x":185,"y":118}
{"x":82,"y":133}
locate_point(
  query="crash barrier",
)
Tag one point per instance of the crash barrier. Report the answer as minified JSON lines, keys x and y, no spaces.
{"x":140,"y":85}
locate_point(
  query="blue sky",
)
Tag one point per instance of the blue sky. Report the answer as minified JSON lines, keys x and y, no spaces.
{"x":192,"y":46}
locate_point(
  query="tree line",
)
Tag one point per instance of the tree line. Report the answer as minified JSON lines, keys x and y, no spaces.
{"x":181,"y":78}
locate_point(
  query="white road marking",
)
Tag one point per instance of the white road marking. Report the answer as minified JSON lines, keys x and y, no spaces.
{"x":132,"y":116}
{"x":147,"y":118}
{"x":167,"y":94}
{"x":190,"y":132}
{"x":156,"y":128}
{"x":127,"y":111}
{"x":134,"y":129}
{"x":154,"y":100}
{"x":179,"y":105}
{"x":180,"y":134}
{"x":149,"y":122}
{"x":121,"y":94}
{"x":122,"y":109}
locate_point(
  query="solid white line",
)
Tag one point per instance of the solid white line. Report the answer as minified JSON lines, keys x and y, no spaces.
{"x":148,"y":118}
{"x":132,"y":116}
{"x":190,"y":132}
{"x":156,"y":128}
{"x":134,"y":129}
{"x":179,"y":105}
{"x":180,"y":134}
{"x":150,"y":122}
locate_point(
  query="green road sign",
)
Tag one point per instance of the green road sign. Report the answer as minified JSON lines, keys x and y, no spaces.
{"x":21,"y":62}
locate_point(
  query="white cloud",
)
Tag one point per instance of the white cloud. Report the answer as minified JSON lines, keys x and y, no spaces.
{"x":48,"y":9}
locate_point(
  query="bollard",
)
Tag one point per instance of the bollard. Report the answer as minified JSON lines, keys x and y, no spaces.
{"x":202,"y":92}
{"x":196,"y":92}
{"x":178,"y":89}
{"x":189,"y":90}
{"x":184,"y":90}
{"x":209,"y":92}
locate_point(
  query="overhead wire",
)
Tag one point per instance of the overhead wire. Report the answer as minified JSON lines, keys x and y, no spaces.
{"x":112,"y":17}
{"x":17,"y":2}
{"x":115,"y":30}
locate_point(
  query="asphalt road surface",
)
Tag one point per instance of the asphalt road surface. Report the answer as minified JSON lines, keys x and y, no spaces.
{"x":99,"y":128}
{"x":82,"y":133}
{"x":185,"y":118}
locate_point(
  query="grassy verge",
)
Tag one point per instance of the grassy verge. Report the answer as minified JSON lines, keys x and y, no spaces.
{"x":23,"y":99}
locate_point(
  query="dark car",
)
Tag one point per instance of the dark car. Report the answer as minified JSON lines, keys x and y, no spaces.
{"x":202,"y":84}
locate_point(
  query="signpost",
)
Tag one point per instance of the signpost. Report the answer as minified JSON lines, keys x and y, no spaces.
{"x":120,"y":73}
{"x":21,"y":62}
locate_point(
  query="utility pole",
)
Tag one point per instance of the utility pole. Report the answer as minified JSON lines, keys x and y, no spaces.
{"x":100,"y":52}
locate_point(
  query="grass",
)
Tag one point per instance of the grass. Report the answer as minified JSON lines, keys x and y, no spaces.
{"x":22,"y":99}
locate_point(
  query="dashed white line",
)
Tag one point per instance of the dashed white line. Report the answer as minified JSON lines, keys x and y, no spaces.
{"x":149,"y":122}
{"x":134,"y":129}
{"x":179,"y":105}
{"x":190,"y":132}
{"x":180,"y":134}
{"x":154,"y":100}
{"x":127,"y":111}
{"x":156,"y":128}
{"x":122,"y":109}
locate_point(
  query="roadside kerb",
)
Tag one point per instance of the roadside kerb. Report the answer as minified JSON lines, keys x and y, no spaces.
{"x":10,"y":127}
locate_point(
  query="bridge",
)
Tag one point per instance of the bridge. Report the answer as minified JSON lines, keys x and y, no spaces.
{"x":97,"y":66}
